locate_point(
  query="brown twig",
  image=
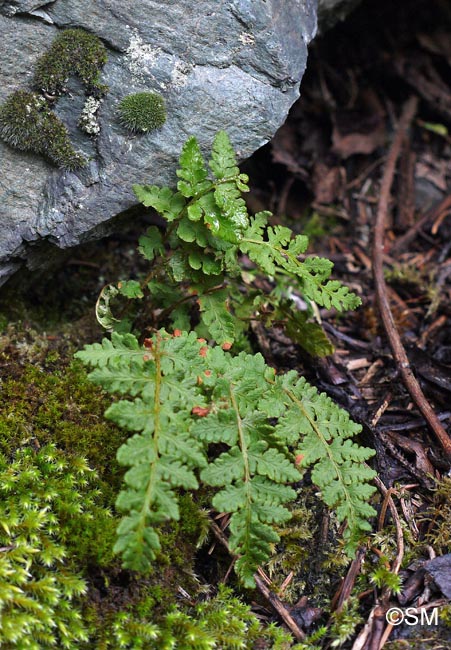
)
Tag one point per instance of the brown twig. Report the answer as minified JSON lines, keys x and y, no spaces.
{"x":396,"y":345}
{"x":280,"y":608}
{"x":348,"y":583}
{"x":271,"y":597}
{"x":388,"y":501}
{"x":402,"y":242}
{"x":382,"y":628}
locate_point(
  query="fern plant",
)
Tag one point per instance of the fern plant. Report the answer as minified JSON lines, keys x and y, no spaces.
{"x":186,"y":399}
{"x":189,"y":396}
{"x":197,"y":264}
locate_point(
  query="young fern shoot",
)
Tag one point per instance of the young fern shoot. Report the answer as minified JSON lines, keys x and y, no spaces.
{"x":197,"y":262}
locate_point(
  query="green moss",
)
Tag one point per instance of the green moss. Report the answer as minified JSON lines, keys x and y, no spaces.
{"x":221,"y":622}
{"x":49,"y":402}
{"x":181,"y":539}
{"x":46,"y":498}
{"x":142,"y":112}
{"x":439,"y":514}
{"x":73,"y":52}
{"x":26,"y":119}
{"x":28,"y":124}
{"x":59,"y":405}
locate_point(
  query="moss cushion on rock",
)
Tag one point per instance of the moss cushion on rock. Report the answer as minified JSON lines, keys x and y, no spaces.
{"x":142,"y":112}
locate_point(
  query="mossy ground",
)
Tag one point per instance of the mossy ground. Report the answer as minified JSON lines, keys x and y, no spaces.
{"x":52,"y":402}
{"x":45,"y":398}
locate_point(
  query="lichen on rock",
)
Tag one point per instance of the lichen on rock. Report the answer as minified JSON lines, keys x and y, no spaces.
{"x":142,"y":112}
{"x":88,"y":121}
{"x":140,"y":56}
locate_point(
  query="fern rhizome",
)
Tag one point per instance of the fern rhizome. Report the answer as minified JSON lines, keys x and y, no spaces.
{"x":203,"y":413}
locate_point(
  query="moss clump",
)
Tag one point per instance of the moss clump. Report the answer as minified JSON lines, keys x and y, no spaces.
{"x":73,"y":52}
{"x":59,"y":404}
{"x":27,"y":123}
{"x":439,"y":516}
{"x":47,"y":499}
{"x":222,"y":622}
{"x":142,"y":112}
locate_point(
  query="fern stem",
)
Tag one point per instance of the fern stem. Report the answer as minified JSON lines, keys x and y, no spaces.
{"x":247,"y":473}
{"x":280,"y":250}
{"x":242,"y":439}
{"x":157,"y":427}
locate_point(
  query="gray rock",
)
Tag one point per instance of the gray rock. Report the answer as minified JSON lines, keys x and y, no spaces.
{"x":12,"y":7}
{"x":232,"y":65}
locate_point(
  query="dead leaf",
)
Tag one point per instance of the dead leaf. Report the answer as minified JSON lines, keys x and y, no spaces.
{"x":360,"y":130}
{"x":327,"y":185}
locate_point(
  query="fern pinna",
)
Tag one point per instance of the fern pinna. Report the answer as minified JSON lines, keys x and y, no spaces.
{"x":186,"y":397}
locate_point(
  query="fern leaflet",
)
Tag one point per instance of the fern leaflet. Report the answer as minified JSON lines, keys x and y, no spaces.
{"x":193,"y":171}
{"x":337,"y":463}
{"x":162,"y":456}
{"x":166,"y":202}
{"x":278,"y":253}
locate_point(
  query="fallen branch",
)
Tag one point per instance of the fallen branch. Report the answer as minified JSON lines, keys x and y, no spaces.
{"x":348,"y":583}
{"x":396,"y":345}
{"x":280,"y":609}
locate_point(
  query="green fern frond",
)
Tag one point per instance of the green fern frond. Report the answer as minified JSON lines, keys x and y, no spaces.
{"x":188,"y":396}
{"x":338,"y":464}
{"x":151,"y":244}
{"x":108,"y":352}
{"x":209,"y":229}
{"x":162,"y":378}
{"x":275,"y":250}
{"x":217,"y":317}
{"x":309,"y":335}
{"x":166,"y":202}
{"x":223,"y":159}
{"x":249,"y":466}
{"x":193,"y":171}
